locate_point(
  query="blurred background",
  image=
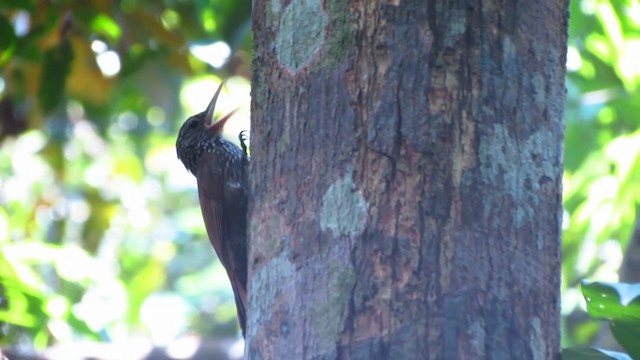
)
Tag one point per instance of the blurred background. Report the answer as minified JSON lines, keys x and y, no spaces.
{"x":102,"y":249}
{"x":101,"y":236}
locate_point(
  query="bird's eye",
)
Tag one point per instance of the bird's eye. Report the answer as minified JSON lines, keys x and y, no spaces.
{"x":193,"y":123}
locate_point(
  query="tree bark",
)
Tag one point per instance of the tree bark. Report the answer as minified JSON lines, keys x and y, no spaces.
{"x":406,"y":179}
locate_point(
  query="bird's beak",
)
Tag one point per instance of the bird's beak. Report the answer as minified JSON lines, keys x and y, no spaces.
{"x":208,"y":119}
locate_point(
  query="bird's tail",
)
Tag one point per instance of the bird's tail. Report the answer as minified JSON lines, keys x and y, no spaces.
{"x":240,"y":295}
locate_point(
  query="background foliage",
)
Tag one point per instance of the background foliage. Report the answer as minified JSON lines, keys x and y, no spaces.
{"x":602,"y":156}
{"x":100,"y":234}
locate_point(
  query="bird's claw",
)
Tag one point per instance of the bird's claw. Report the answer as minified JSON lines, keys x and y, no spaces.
{"x":243,"y":137}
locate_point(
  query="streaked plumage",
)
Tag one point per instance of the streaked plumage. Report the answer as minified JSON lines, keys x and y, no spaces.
{"x":220,"y":169}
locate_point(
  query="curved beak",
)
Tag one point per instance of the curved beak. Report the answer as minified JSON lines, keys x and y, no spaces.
{"x":208,"y":119}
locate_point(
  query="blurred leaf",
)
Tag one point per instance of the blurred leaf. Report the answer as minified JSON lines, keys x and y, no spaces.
{"x":153,"y":25}
{"x":624,"y":151}
{"x":7,"y":40}
{"x":18,"y":4}
{"x":85,"y":81}
{"x":600,"y":46}
{"x":4,"y":226}
{"x":100,"y":217}
{"x":627,"y":65}
{"x":585,"y":331}
{"x":592,"y":354}
{"x":18,"y":311}
{"x":620,"y":304}
{"x":135,"y":58}
{"x":105,"y":25}
{"x":148,"y":279}
{"x":13,"y":268}
{"x":628,"y":335}
{"x":56,"y":67}
{"x":24,"y":295}
{"x":83,"y":220}
{"x":607,"y":16}
{"x":30,"y":303}
{"x":612,"y":301}
{"x":129,"y":166}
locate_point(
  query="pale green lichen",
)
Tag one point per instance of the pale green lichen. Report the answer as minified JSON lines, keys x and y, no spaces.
{"x":276,"y":6}
{"x":344,"y":210}
{"x":301,"y":33}
{"x":284,"y":140}
{"x":477,"y":336}
{"x":456,"y":27}
{"x":497,"y":150}
{"x":537,"y":343}
{"x":273,"y":9}
{"x":509,"y":51}
{"x":328,"y":316}
{"x":340,"y":37}
{"x":539,"y":90}
{"x":269,"y":280}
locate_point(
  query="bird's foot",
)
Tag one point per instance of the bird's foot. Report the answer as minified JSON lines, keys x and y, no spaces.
{"x":243,"y":137}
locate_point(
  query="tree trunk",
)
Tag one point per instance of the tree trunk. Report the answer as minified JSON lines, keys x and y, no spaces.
{"x":406,"y":176}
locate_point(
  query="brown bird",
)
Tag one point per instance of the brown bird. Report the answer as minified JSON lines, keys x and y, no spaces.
{"x":220,"y":167}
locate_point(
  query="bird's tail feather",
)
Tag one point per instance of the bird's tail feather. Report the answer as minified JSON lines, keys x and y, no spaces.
{"x":239,"y":293}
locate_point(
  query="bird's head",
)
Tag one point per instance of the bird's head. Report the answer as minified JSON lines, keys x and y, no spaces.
{"x":198,"y":132}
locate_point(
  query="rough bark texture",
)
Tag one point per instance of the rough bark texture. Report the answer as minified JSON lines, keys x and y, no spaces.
{"x":406,"y":177}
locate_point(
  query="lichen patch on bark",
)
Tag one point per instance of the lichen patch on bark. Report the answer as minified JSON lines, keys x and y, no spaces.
{"x":269,"y":280}
{"x":344,"y":209}
{"x":537,"y":342}
{"x":328,"y":316}
{"x":301,"y":35}
{"x":477,"y":337}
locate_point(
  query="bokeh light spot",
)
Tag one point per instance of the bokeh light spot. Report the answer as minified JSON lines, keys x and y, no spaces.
{"x":109,"y":63}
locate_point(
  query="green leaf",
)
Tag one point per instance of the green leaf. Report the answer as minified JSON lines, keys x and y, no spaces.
{"x":56,"y":68}
{"x":612,"y":301}
{"x":592,"y":354}
{"x":620,"y":304}
{"x":105,"y":25}
{"x":8,"y":40}
{"x":628,"y":335}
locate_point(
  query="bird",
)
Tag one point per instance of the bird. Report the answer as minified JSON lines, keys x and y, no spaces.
{"x":220,"y":168}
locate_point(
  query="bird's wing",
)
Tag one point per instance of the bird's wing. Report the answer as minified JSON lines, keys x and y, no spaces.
{"x":211,"y":187}
{"x":211,"y":192}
